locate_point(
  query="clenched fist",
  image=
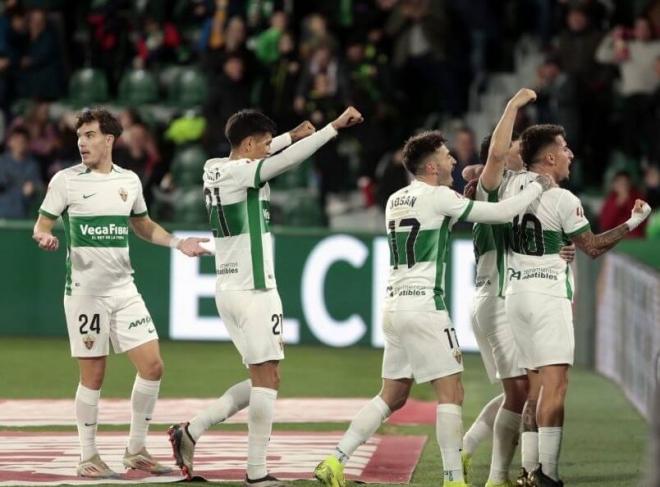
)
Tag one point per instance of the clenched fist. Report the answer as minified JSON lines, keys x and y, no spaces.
{"x":301,"y":131}
{"x":46,"y":241}
{"x":347,"y":119}
{"x":523,"y":97}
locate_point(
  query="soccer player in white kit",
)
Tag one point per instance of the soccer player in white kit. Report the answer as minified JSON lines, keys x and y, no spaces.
{"x":97,"y":201}
{"x":420,"y":340}
{"x":237,"y":198}
{"x":540,"y":284}
{"x":501,"y":417}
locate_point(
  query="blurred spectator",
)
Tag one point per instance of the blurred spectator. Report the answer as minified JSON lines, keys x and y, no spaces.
{"x":228,"y":93}
{"x":267,"y":43}
{"x":20,"y":181}
{"x":421,"y":30}
{"x":213,"y":31}
{"x":136,"y":148}
{"x":157,"y":43}
{"x":281,"y":83}
{"x":67,"y":153}
{"x":652,"y":186}
{"x":314,"y":34}
{"x":322,"y":86}
{"x":109,"y":49}
{"x":44,"y":136}
{"x":9,"y":52}
{"x":619,"y":203}
{"x":391,"y":175}
{"x":234,"y":45}
{"x":464,"y":150}
{"x":576,"y":49}
{"x":557,"y":98}
{"x":41,"y":67}
{"x":635,"y":53}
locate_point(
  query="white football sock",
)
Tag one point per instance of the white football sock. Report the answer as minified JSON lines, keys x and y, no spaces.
{"x":549,"y":446}
{"x":363,"y":426}
{"x":482,"y":428}
{"x":505,"y":439}
{"x":143,"y":401}
{"x":449,"y":433}
{"x":234,"y":399}
{"x":529,"y":450}
{"x":260,"y":425}
{"x":87,"y":412}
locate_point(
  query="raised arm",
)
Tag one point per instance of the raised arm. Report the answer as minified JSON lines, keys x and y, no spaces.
{"x":284,"y":140}
{"x":491,"y":176}
{"x":596,"y":245}
{"x":504,"y":211}
{"x":300,"y":151}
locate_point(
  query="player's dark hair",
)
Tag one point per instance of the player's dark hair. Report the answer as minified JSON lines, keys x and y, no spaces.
{"x":246,"y":123}
{"x":536,"y":138}
{"x":418,"y":147}
{"x":485,"y":146}
{"x":108,"y":123}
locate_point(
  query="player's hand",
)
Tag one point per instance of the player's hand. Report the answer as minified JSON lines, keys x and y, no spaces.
{"x":473,"y":171}
{"x":347,"y":119}
{"x":567,"y":252}
{"x":523,"y":97}
{"x":46,"y":241}
{"x":641,"y":208}
{"x":191,"y":247}
{"x":301,"y":131}
{"x":546,"y":182}
{"x":470,"y":189}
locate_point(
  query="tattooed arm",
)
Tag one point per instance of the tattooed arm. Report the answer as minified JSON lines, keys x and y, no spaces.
{"x":596,"y":245}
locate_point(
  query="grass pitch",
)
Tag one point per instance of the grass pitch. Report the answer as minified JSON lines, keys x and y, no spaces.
{"x":604,"y":440}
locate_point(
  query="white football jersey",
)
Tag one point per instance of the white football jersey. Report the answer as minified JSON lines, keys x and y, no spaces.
{"x":419,"y":219}
{"x":95,"y":209}
{"x":239,"y":212}
{"x":535,"y":237}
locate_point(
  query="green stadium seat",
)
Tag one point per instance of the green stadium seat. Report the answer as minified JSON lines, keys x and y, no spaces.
{"x":190,"y":206}
{"x":188,"y":88}
{"x":138,"y":86}
{"x":88,"y":86}
{"x":187,"y":166}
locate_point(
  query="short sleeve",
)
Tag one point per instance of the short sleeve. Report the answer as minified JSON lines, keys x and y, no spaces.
{"x":450,"y":203}
{"x":571,"y":215}
{"x":247,"y":173}
{"x":56,"y":199}
{"x":139,"y":205}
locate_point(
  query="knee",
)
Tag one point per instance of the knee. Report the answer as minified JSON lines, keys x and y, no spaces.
{"x":92,"y":381}
{"x":452,"y":395}
{"x":153,"y":370}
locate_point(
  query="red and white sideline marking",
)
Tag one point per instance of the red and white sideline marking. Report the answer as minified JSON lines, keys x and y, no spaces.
{"x":45,"y":412}
{"x":51,"y":458}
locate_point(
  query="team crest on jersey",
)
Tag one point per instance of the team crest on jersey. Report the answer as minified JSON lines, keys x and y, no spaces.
{"x":88,"y":340}
{"x":123,"y":193}
{"x":458,"y":355}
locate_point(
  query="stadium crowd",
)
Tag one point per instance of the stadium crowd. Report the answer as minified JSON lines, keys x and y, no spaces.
{"x":177,"y":69}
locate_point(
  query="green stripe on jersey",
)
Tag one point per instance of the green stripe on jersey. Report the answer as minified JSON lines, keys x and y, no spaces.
{"x":236,"y":218}
{"x":441,"y":257}
{"x":466,"y":212}
{"x":256,"y":229}
{"x":47,"y":215}
{"x":67,"y":238}
{"x":483,"y":238}
{"x":580,"y":230}
{"x":99,"y":231}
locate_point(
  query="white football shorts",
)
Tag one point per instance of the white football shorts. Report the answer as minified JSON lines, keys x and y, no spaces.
{"x":495,"y":338}
{"x":254,"y":321}
{"x":420,"y":345}
{"x":542,"y":327}
{"x":94,"y":321}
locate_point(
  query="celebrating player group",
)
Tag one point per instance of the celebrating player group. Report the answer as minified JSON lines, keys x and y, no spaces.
{"x":526,"y":229}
